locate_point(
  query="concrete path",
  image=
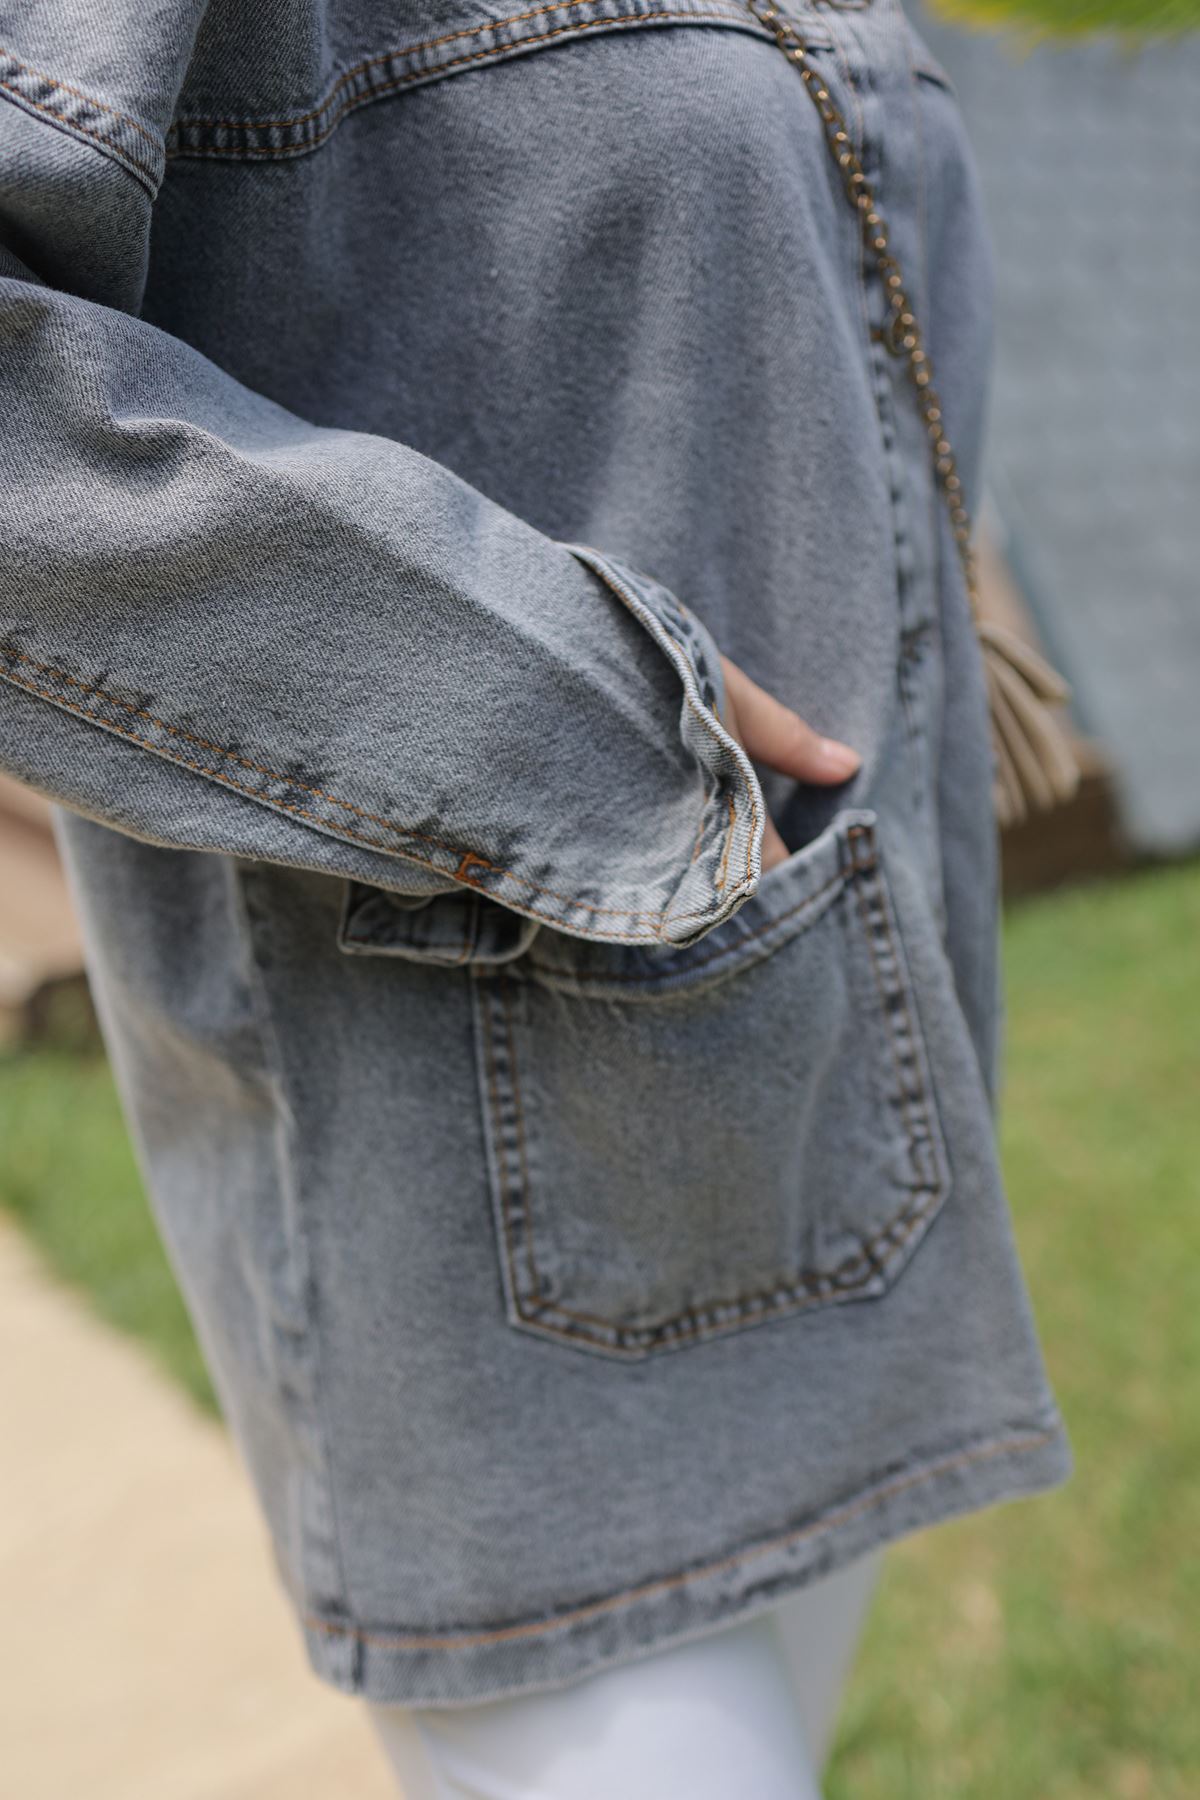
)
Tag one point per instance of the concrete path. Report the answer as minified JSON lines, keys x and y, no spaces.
{"x":146,"y":1648}
{"x":39,"y":939}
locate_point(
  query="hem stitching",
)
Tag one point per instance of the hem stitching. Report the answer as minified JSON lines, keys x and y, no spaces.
{"x":11,"y":656}
{"x":840,"y":1516}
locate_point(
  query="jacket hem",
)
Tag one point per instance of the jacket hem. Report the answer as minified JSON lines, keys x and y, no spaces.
{"x":470,"y":1666}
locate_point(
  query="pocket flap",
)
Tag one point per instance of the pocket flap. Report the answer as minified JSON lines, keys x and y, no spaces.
{"x":446,"y":929}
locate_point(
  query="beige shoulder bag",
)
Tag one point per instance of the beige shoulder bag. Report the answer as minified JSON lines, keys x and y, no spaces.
{"x":1035,"y":766}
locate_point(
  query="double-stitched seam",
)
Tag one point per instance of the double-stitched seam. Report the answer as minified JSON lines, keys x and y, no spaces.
{"x":485,"y":996}
{"x":106,"y":139}
{"x":622,"y":21}
{"x":381,"y":61}
{"x":830,"y":1521}
{"x":913,"y":1120}
{"x":922,"y":1128}
{"x":723,"y":870}
{"x":818,"y":1289}
{"x":318,"y":1473}
{"x":291,"y":781}
{"x":850,"y":87}
{"x":916,"y":1111}
{"x":79,"y":94}
{"x":387,"y":57}
{"x":925,"y":269}
{"x":519,"y":1111}
{"x":698,"y":840}
{"x":843,"y":1278}
{"x":879,"y":357}
{"x":808,"y":1288}
{"x":701,"y":961}
{"x":617,"y":587}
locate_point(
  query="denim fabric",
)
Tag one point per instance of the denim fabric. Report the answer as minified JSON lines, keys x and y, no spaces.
{"x":591,"y":1237}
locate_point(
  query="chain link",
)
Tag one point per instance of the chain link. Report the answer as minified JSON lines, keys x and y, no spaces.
{"x":901,"y":333}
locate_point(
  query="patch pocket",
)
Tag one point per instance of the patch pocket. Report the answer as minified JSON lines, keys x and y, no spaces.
{"x":684,"y":1143}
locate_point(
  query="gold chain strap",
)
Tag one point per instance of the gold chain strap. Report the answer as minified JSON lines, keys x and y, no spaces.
{"x":1035,"y":762}
{"x":902,"y":333}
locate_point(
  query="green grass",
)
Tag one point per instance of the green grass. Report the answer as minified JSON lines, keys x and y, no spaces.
{"x":1137,"y":21}
{"x":68,"y":1174}
{"x":1049,"y":1649}
{"x":1042,"y":1650}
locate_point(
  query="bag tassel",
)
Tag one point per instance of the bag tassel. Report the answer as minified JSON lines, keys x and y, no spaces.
{"x":1036,"y":764}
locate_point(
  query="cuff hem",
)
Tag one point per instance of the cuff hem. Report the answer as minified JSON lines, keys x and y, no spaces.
{"x":726,"y":859}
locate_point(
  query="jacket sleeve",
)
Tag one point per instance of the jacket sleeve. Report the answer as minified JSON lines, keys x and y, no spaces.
{"x":223,"y":627}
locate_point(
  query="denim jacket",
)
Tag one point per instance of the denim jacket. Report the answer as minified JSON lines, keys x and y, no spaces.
{"x":401,"y":406}
{"x":408,"y":682}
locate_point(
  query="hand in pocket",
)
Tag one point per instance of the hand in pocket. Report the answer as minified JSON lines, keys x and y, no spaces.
{"x":772,"y":733}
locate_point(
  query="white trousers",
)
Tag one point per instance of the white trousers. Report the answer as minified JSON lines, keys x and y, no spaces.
{"x":747,"y":1711}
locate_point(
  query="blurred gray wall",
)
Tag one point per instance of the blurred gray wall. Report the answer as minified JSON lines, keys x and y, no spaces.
{"x":1090,"y":158}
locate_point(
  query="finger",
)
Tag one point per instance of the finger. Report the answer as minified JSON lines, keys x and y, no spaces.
{"x":773,"y":734}
{"x":773,"y":850}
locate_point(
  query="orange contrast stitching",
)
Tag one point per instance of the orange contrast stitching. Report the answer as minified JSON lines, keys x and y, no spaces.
{"x":700,"y":962}
{"x":487,"y":1003}
{"x":699,"y":838}
{"x":101,"y":137}
{"x":305,"y":787}
{"x":79,"y":94}
{"x":751,"y":1306}
{"x":640,"y":1338}
{"x":519,"y":1110}
{"x":665,"y":1583}
{"x":723,"y":870}
{"x":378,"y":62}
{"x":281,"y":152}
{"x":868,"y":933}
{"x":920,"y":1099}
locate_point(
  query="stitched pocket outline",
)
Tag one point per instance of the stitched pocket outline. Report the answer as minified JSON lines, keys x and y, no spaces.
{"x":687,"y":1144}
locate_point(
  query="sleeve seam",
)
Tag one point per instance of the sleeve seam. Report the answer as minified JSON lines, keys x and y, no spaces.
{"x":189,"y":131}
{"x":599,"y":563}
{"x":16,"y":77}
{"x":466,"y":858}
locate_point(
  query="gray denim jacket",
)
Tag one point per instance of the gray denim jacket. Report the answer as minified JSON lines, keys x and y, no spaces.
{"x":418,"y":687}
{"x":400,"y":407}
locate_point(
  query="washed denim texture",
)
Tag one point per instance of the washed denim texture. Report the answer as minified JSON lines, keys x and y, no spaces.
{"x":590,"y":1236}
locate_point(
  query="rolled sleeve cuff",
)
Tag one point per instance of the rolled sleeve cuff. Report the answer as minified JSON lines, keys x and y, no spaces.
{"x":725,"y":859}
